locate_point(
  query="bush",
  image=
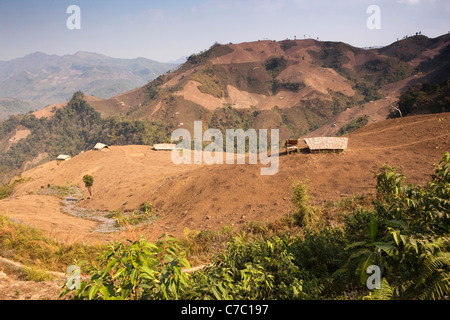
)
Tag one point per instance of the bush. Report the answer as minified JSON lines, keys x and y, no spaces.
{"x":274,"y":66}
{"x":407,"y":236}
{"x":304,"y":214}
{"x":262,"y":269}
{"x":134,"y":271}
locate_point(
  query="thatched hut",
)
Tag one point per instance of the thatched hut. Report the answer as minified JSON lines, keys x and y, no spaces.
{"x":101,"y":147}
{"x":61,"y":158}
{"x":326,"y":144}
{"x":164,"y":146}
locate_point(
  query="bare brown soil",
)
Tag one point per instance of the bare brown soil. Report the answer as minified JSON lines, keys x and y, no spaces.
{"x":18,"y":134}
{"x":12,"y":288}
{"x":44,"y":212}
{"x":210,"y":197}
{"x":316,"y":79}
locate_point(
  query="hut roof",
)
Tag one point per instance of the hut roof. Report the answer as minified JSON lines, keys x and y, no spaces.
{"x":326,"y":143}
{"x":63,"y":157}
{"x":100,"y":146}
{"x":164,"y":146}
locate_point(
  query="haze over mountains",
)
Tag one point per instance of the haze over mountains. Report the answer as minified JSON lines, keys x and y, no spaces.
{"x":39,"y":79}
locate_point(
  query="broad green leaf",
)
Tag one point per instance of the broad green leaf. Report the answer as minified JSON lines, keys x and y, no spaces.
{"x":92,"y":291}
{"x":133,"y":277}
{"x":355,"y":244}
{"x":396,"y":236}
{"x":185,"y":263}
{"x":111,"y":263}
{"x":104,"y":291}
{"x":362,"y":268}
{"x":372,"y":229}
{"x":119,"y":273}
{"x":388,"y":248}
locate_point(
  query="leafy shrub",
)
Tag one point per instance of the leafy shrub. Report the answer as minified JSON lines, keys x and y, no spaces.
{"x":407,"y":236}
{"x":369,"y":92}
{"x":276,"y":86}
{"x":424,"y":98}
{"x":262,"y":269}
{"x":139,"y":270}
{"x":5,"y":191}
{"x":287,"y":44}
{"x":304,"y":214}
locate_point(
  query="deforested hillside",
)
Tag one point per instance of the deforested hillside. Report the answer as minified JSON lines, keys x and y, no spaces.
{"x":293,"y":85}
{"x":301,"y":87}
{"x":209,"y":197}
{"x":310,"y":230}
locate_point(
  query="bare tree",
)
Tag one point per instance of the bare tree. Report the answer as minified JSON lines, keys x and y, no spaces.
{"x":398,"y":109}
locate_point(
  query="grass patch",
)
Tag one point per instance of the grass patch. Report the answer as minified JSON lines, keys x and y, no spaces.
{"x":145,"y":213}
{"x":28,"y":246}
{"x":34,"y":274}
{"x":210,"y":84}
{"x":7,"y":189}
{"x":60,"y":191}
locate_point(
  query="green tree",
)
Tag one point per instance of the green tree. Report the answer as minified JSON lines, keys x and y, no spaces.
{"x":88,"y":182}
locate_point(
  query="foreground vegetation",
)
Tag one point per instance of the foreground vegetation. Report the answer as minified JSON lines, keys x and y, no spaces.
{"x":38,"y":253}
{"x":404,"y":232}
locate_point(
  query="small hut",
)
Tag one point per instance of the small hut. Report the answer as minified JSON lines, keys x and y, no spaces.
{"x":164,"y":146}
{"x":61,"y":158}
{"x":101,"y":147}
{"x":326,"y":144}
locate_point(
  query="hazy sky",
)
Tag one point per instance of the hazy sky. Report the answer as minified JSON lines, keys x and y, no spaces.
{"x":167,"y":30}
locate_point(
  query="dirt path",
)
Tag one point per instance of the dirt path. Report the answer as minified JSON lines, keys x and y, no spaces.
{"x":45,"y":213}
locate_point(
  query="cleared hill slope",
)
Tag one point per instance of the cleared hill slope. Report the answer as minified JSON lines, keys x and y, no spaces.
{"x":212,"y":196}
{"x":301,"y":87}
{"x":294,"y":85}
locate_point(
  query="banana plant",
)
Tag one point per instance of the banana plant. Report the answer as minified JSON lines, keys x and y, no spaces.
{"x":371,"y":251}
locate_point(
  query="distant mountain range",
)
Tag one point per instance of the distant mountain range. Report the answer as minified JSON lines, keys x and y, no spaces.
{"x":40,"y":79}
